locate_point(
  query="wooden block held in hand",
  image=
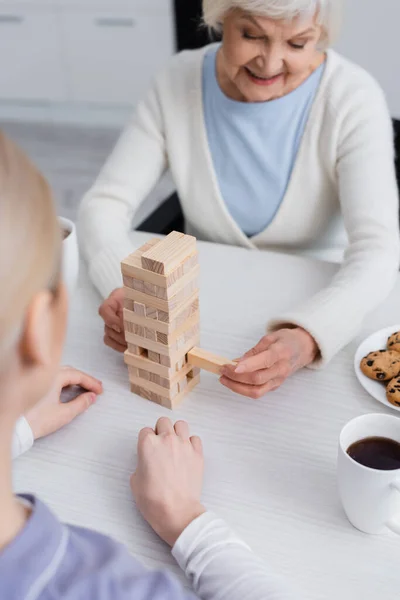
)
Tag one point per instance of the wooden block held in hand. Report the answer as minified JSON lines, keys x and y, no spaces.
{"x":208,"y":361}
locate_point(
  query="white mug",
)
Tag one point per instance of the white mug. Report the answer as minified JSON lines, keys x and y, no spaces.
{"x":70,"y":255}
{"x":370,"y":497}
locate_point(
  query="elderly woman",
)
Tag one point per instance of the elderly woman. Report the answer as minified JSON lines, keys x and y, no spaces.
{"x":274,"y":141}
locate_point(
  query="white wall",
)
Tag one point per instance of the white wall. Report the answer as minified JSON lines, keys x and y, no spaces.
{"x":370,"y":37}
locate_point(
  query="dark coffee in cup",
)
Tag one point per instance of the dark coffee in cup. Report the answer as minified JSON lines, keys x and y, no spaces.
{"x":376,"y":453}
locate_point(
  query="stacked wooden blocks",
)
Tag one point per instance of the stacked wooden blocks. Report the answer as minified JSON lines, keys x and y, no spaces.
{"x":162,"y":318}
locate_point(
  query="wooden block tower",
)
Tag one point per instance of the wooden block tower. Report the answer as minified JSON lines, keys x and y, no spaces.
{"x":161,"y":318}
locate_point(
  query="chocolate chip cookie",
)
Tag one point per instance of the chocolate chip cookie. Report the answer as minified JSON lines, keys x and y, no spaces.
{"x":393,"y":342}
{"x":381,"y":365}
{"x":393,"y":391}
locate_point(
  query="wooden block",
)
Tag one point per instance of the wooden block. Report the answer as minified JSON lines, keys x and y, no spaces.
{"x":158,"y":389}
{"x":128,"y":304}
{"x":180,"y":364}
{"x":134,"y":371}
{"x":167,"y":403}
{"x":169,"y":254}
{"x":153,"y":356}
{"x":143,"y":374}
{"x":181,"y":395}
{"x":137,"y":285}
{"x":207,"y":361}
{"x":174,"y":305}
{"x":162,"y":338}
{"x":136,"y":350}
{"x":163,"y":316}
{"x":128,"y":281}
{"x":150,"y":334}
{"x":161,"y":292}
{"x":151,"y":313}
{"x":193,"y":373}
{"x":142,"y":362}
{"x":182,"y":385}
{"x":146,"y":394}
{"x":149,"y":288}
{"x":133,"y":328}
{"x":165,"y":360}
{"x":139,"y":308}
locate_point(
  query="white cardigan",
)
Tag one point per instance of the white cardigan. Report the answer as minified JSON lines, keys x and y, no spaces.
{"x":342,"y":192}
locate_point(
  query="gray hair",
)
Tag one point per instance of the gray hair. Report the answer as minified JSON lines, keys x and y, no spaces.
{"x":328,"y":12}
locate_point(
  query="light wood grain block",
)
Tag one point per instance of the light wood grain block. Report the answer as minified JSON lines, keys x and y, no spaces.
{"x":149,"y":289}
{"x":128,"y":304}
{"x":133,"y":328}
{"x":136,"y":350}
{"x":147,"y":394}
{"x":145,"y":363}
{"x":163,"y":316}
{"x":182,"y":385}
{"x":143,"y":374}
{"x":137,"y":284}
{"x":128,"y":281}
{"x":207,"y":361}
{"x":158,"y":389}
{"x":151,"y":313}
{"x":153,"y":356}
{"x":169,"y":254}
{"x":193,"y":372}
{"x":162,"y":338}
{"x":150,"y":334}
{"x":165,"y":360}
{"x":131,"y":267}
{"x":138,"y":307}
{"x":181,"y":395}
{"x":134,"y":371}
{"x":173,"y":305}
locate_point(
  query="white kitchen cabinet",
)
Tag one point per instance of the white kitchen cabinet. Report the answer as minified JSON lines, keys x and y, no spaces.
{"x":30,"y":65}
{"x":80,"y":60}
{"x":111,"y":56}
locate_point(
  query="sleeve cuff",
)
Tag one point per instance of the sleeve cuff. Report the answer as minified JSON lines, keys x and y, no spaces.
{"x":105,"y":268}
{"x":23,"y":438}
{"x":209,"y":526}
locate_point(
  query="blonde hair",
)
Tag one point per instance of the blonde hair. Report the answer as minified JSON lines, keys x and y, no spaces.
{"x":329,"y":12}
{"x":30,"y":239}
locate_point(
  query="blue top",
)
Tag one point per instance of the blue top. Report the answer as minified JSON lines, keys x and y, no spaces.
{"x":254,"y":145}
{"x":49,"y":560}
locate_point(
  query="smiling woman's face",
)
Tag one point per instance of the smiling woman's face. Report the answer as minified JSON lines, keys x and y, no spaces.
{"x":262,"y":59}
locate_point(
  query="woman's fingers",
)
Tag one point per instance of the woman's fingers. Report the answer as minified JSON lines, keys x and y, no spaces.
{"x":279,"y":370}
{"x":264,"y":360}
{"x":251,"y":391}
{"x":197,"y":444}
{"x":114,"y":345}
{"x":111,"y":313}
{"x":69,"y":376}
{"x":78,"y":406}
{"x":262,"y":345}
{"x":119,"y":338}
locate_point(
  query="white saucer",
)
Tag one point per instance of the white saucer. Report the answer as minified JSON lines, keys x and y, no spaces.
{"x":376,"y":341}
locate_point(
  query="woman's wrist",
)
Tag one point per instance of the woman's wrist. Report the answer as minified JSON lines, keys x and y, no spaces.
{"x":309,"y":346}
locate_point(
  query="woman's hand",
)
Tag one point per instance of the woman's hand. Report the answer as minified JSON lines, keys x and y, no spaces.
{"x":266,"y":366}
{"x":50,"y":414}
{"x":168,"y":480}
{"x":111,"y":311}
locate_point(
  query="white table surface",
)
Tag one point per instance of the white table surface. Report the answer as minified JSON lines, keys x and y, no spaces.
{"x":270,"y":464}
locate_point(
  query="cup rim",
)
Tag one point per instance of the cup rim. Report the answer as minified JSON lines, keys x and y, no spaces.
{"x":68,"y":225}
{"x":364,"y":418}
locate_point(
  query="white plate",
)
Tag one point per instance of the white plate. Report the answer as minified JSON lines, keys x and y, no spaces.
{"x":376,"y":341}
